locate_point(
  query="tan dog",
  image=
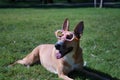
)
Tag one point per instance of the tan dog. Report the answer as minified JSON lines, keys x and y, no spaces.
{"x":61,"y":58}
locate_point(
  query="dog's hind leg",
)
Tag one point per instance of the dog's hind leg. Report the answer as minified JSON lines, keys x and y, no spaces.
{"x":30,"y":59}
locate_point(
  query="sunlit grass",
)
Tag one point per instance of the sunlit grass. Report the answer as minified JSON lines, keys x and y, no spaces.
{"x":23,"y":29}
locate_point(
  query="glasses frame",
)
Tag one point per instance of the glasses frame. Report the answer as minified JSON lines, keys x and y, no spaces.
{"x":66,"y":36}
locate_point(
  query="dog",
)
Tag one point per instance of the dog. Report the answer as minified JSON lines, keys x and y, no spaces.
{"x":62,"y":57}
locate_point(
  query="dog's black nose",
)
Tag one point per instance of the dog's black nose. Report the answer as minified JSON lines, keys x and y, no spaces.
{"x":57,"y":46}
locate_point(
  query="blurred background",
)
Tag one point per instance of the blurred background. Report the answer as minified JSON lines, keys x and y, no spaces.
{"x":60,"y":3}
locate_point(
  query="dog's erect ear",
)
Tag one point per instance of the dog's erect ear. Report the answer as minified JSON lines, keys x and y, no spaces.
{"x":79,"y":29}
{"x":66,"y":25}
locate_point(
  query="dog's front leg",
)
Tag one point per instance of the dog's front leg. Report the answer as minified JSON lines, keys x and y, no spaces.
{"x":64,"y":77}
{"x":62,"y":73}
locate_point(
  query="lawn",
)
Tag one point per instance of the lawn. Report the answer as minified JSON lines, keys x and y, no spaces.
{"x":23,"y":29}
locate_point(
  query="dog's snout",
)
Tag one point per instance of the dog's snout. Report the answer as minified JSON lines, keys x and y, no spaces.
{"x":58,"y":45}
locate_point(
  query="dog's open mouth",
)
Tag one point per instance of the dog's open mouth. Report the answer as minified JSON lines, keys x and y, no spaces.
{"x":61,"y":53}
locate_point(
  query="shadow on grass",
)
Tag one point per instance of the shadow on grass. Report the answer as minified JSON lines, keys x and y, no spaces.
{"x":82,"y":75}
{"x":78,"y":74}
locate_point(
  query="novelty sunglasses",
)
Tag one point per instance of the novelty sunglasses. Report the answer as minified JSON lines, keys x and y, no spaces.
{"x":68,"y":37}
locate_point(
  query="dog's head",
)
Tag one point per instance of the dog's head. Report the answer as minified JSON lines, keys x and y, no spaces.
{"x":67,"y":40}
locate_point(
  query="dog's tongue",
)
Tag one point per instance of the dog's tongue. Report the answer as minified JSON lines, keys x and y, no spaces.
{"x":58,"y":55}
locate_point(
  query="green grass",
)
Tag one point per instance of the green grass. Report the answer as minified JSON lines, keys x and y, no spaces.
{"x":23,"y":29}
